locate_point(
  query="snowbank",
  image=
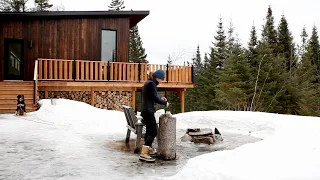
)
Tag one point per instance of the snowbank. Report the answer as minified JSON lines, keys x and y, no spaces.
{"x":81,"y":117}
{"x":290,"y":149}
{"x":72,"y":135}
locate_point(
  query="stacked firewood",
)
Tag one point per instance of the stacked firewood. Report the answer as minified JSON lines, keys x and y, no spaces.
{"x":41,"y":94}
{"x":112,"y":100}
{"x":83,"y":96}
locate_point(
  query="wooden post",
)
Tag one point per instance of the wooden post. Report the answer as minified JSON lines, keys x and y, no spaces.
{"x":92,"y":97}
{"x":134,"y":98}
{"x":181,"y":96}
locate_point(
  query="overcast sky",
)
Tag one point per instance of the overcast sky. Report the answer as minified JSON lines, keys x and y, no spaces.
{"x":176,"y":27}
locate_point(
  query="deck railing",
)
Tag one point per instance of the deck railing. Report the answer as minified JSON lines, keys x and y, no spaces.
{"x":81,"y":70}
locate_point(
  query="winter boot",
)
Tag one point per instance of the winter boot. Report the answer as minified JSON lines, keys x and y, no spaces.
{"x":144,"y":156}
{"x":152,"y":152}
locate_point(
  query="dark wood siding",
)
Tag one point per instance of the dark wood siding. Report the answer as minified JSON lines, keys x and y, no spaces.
{"x":63,"y":39}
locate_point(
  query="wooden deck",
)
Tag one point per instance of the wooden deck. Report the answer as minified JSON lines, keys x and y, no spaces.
{"x":92,"y":76}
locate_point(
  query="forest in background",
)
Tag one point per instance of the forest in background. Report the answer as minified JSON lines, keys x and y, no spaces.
{"x":271,"y":74}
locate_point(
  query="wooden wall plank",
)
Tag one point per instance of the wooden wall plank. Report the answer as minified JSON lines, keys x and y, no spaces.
{"x":83,"y":43}
{"x":60,"y":47}
{"x":27,"y":58}
{"x":89,"y":39}
{"x":35,"y":39}
{"x":65,"y":39}
{"x":54,"y":35}
{"x":77,"y":38}
{"x":71,"y":38}
{"x":40,"y":35}
{"x":99,"y":33}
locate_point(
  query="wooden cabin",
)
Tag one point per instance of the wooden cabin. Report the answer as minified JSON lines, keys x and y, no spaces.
{"x":79,"y":55}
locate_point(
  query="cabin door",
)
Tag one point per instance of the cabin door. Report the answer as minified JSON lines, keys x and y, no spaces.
{"x":13,"y":59}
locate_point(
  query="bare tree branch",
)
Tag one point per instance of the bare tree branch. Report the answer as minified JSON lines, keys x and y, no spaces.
{"x":264,"y":83}
{"x":256,"y":84}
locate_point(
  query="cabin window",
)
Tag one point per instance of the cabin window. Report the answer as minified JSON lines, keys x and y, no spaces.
{"x":108,"y":45}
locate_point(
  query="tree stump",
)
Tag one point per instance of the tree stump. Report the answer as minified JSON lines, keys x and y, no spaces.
{"x":167,"y":137}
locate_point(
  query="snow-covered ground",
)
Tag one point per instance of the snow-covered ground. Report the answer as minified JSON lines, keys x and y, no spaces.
{"x":73,"y":140}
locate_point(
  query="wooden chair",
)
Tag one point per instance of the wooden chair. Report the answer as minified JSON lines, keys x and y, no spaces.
{"x":134,"y":125}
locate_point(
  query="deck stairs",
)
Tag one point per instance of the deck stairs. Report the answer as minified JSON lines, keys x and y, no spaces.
{"x":9,"y":90}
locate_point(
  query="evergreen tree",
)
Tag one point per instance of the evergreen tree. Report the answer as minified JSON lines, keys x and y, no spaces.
{"x":286,"y":46}
{"x":174,"y":100}
{"x":136,"y":50}
{"x":197,"y":62}
{"x":269,"y":80}
{"x":213,"y":64}
{"x":252,"y":52}
{"x":307,"y":90}
{"x":220,"y":46}
{"x":269,"y":33}
{"x":305,"y":78}
{"x":232,"y":89}
{"x":194,"y":96}
{"x":43,"y":5}
{"x":13,"y":5}
{"x":313,"y":52}
{"x":206,"y":61}
{"x":209,"y":78}
{"x":304,"y":38}
{"x":173,"y":97}
{"x":308,"y":76}
{"x":253,"y":61}
{"x":116,"y":5}
{"x":252,"y":44}
{"x":231,"y":39}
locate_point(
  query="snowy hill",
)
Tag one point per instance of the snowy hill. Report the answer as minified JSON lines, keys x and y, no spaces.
{"x":73,"y":140}
{"x":290,"y":149}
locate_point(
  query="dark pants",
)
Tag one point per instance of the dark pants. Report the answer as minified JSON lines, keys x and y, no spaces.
{"x":151,"y":127}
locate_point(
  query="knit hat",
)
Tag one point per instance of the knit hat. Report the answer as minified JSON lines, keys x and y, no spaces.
{"x":159,"y":74}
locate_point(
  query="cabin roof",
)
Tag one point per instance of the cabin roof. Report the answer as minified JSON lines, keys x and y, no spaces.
{"x":135,"y":16}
